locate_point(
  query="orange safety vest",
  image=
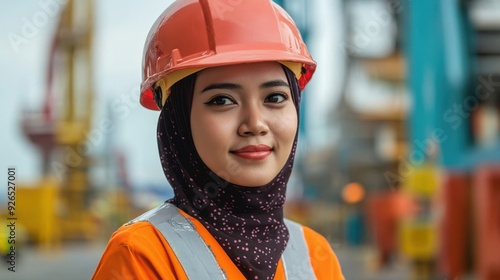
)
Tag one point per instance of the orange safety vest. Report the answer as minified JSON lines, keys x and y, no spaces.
{"x":140,"y":250}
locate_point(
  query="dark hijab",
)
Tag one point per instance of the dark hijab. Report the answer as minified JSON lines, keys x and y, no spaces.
{"x":246,"y":221}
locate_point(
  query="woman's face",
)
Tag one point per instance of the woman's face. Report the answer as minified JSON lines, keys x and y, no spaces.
{"x":243,"y":121}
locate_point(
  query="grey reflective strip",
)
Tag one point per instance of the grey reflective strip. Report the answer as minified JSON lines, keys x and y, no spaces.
{"x":296,"y":256}
{"x":190,"y":249}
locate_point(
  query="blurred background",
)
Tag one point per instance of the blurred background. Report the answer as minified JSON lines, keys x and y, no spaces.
{"x":399,"y":157}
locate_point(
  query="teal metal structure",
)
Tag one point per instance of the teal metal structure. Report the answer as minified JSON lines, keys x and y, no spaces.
{"x":439,"y":53}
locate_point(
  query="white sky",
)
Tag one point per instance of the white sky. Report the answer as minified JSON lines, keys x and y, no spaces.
{"x":121,"y":29}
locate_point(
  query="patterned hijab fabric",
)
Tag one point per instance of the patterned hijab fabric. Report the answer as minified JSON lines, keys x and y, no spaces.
{"x":246,"y":221}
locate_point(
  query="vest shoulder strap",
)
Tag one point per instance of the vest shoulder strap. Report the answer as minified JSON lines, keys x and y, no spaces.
{"x":296,"y":256}
{"x":193,"y":254}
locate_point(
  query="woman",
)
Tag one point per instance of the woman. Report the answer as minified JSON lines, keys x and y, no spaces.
{"x":228,"y":86}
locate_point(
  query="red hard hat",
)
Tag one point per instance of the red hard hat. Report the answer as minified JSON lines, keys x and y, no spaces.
{"x":194,"y":34}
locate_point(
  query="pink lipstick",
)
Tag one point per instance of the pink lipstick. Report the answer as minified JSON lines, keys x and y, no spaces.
{"x":253,"y":152}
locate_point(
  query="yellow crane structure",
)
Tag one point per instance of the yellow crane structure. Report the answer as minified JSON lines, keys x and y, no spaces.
{"x":58,"y":206}
{"x":74,"y":36}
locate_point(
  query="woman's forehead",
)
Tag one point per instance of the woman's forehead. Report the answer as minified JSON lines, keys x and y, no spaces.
{"x":248,"y":72}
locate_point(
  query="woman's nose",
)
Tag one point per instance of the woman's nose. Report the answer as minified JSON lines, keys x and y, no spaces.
{"x":253,"y":122}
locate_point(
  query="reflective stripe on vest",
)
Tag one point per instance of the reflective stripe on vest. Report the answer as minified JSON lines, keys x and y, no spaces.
{"x":191,"y":250}
{"x":193,"y":254}
{"x":296,"y":256}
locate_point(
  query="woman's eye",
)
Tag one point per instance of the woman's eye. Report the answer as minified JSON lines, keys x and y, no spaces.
{"x":276,"y":98}
{"x":221,"y":101}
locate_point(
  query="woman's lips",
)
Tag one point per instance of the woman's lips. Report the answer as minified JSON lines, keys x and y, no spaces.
{"x":253,"y":152}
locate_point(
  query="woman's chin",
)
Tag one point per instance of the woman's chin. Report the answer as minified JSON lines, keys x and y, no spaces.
{"x":250,"y":182}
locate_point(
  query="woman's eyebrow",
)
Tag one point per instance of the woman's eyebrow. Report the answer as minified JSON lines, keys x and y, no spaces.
{"x":269,"y":84}
{"x":221,"y":86}
{"x":274,"y":83}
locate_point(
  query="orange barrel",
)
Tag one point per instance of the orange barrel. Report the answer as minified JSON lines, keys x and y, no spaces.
{"x":454,"y":224}
{"x":487,"y":222}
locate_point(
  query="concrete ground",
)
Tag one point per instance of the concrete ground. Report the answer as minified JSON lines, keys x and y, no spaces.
{"x":71,"y":262}
{"x":358,"y":263}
